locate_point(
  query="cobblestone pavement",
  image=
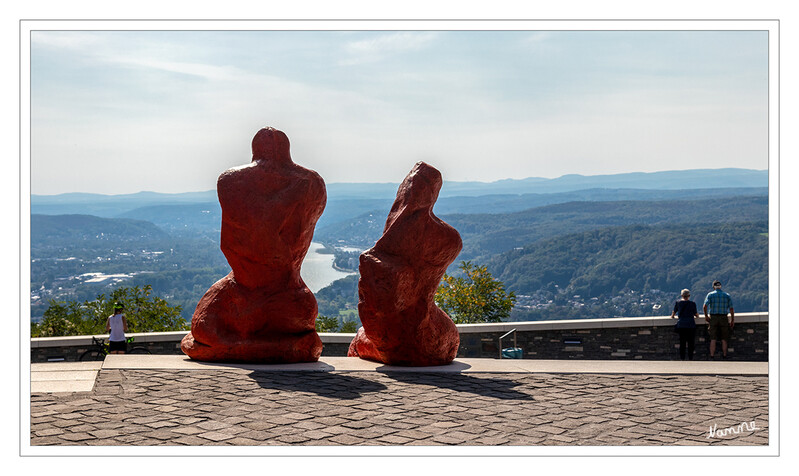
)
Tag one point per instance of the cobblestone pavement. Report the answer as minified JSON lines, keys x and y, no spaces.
{"x":244,"y":407}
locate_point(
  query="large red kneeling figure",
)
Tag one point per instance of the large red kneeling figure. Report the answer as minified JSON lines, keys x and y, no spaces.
{"x":399,"y":275}
{"x":262,"y":311}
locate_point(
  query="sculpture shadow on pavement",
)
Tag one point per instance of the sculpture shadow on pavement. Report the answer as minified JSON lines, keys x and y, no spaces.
{"x":493,"y":387}
{"x":325,"y":384}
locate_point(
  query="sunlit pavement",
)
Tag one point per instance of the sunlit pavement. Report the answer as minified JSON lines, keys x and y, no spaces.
{"x":153,"y":400}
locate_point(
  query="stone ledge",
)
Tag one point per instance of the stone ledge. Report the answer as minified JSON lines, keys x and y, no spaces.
{"x":611,"y":323}
{"x":342,"y":338}
{"x":144,"y":337}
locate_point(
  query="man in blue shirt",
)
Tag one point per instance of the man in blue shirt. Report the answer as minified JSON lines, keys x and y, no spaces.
{"x":717,"y":303}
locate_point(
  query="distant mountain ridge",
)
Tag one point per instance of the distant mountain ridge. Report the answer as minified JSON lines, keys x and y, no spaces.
{"x":56,"y":228}
{"x":346,"y":198}
{"x":665,"y":180}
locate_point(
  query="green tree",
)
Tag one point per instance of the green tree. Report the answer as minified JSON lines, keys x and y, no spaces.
{"x":474,"y":297}
{"x":60,"y":319}
{"x":143,"y":312}
{"x":349,"y":327}
{"x":326,"y":324}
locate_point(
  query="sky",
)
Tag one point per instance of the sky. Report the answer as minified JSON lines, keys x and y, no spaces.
{"x":168,"y":111}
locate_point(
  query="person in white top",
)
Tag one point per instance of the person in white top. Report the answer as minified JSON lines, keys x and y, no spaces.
{"x":116,"y":326}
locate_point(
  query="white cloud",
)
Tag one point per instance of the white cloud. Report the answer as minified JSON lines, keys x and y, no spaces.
{"x":386,"y":44}
{"x":70,"y":40}
{"x":206,"y":71}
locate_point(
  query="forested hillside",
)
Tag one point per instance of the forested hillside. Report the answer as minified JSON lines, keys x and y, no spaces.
{"x":485,"y":235}
{"x":590,"y":273}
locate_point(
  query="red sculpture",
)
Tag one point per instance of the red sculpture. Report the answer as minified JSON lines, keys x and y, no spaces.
{"x":399,"y":275}
{"x":262,"y":311}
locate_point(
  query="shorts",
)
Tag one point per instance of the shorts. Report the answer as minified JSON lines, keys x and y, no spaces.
{"x":719,"y":327}
{"x":117,"y":345}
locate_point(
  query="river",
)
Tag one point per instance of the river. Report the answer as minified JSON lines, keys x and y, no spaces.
{"x":317,"y":270}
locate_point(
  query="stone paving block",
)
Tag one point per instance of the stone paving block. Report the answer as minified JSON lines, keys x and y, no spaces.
{"x":561,"y":439}
{"x":447,"y":424}
{"x":297,"y":416}
{"x":412,"y":434}
{"x":520,"y":440}
{"x":161,"y":424}
{"x":82,"y":428}
{"x":188,"y":420}
{"x":340,"y":430}
{"x":346,"y":439}
{"x":492,"y":441}
{"x":215,"y":436}
{"x":76,"y":436}
{"x":459,"y":435}
{"x":357,"y":424}
{"x":432,"y":430}
{"x":293,"y":438}
{"x":129,"y":439}
{"x":551,"y":430}
{"x":446,"y":439}
{"x":239,"y":441}
{"x":160,"y":434}
{"x":65,"y":423}
{"x":279,"y":420}
{"x":187,"y":430}
{"x":70,"y":416}
{"x":401,"y":425}
{"x":317,"y":434}
{"x":213,"y":425}
{"x":394,"y":440}
{"x":329,"y":420}
{"x":235,"y":420}
{"x":42,"y":420}
{"x":259,"y":425}
{"x":375,"y":432}
{"x":587,"y":431}
{"x":606,"y":440}
{"x":235,"y":430}
{"x":256,"y":435}
{"x":188,"y":440}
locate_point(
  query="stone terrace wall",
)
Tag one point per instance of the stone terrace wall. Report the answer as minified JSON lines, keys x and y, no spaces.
{"x":69,"y":349}
{"x":646,"y":338}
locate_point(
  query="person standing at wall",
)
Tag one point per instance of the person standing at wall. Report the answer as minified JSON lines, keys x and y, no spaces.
{"x":116,"y":326}
{"x":686,"y":326}
{"x":717,"y":304}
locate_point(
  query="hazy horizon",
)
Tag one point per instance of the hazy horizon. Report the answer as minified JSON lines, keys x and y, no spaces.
{"x":399,"y":181}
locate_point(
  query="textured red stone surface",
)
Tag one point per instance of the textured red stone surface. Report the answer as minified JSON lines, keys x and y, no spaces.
{"x":399,"y":275}
{"x":262,"y":311}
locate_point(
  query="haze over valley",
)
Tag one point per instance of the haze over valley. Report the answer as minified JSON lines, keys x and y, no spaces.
{"x":573,"y":247}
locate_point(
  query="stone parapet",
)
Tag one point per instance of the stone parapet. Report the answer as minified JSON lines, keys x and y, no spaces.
{"x":646,"y":338}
